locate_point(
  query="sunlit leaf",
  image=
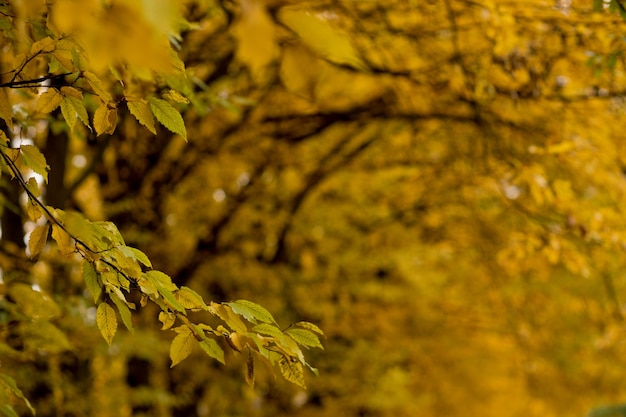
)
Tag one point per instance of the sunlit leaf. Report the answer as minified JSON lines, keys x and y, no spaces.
{"x":268,"y":329}
{"x":141,"y":111}
{"x":251,"y":311}
{"x":168,"y":116}
{"x":304,"y":337}
{"x":34,"y":159}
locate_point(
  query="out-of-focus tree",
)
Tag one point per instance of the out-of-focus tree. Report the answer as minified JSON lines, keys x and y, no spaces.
{"x":438,"y":185}
{"x":71,"y":68}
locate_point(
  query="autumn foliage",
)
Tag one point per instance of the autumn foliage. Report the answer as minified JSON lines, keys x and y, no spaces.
{"x":430,"y":192}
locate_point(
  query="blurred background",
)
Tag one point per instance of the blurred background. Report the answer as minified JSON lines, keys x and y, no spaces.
{"x":437,"y":185}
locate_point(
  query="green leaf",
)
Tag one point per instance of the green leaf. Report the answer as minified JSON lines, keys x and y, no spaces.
{"x":251,"y":311}
{"x":213,"y":349}
{"x":72,"y":109}
{"x":161,"y":279}
{"x":34,"y":159}
{"x":12,"y":385}
{"x":268,"y":329}
{"x":141,"y":111}
{"x":37,"y":239}
{"x":125,"y":314}
{"x":182,"y":345}
{"x":304,"y":337}
{"x":168,"y":116}
{"x":97,"y":86}
{"x":163,"y":284}
{"x":107,"y":321}
{"x":90,"y":275}
{"x":137,"y":255}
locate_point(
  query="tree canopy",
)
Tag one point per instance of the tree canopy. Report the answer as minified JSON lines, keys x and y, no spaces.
{"x":437,"y":185}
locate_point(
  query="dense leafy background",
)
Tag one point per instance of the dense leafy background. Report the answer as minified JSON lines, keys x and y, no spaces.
{"x":438,"y":185}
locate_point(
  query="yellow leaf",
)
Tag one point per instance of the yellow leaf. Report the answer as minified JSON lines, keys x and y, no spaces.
{"x":182,"y":346}
{"x":255,"y":34}
{"x":6,"y":110}
{"x":175,"y":96}
{"x":64,"y":241}
{"x":49,"y":100}
{"x":65,"y":58}
{"x":188,"y":298}
{"x":561,"y":147}
{"x":299,"y":70}
{"x":34,"y":159}
{"x":72,"y":109}
{"x":71,"y":92}
{"x":292,"y":370}
{"x":104,"y":119}
{"x":106,"y":321}
{"x":168,"y":319}
{"x":34,"y":211}
{"x":97,"y":86}
{"x":141,"y":111}
{"x":44,"y":45}
{"x":38,"y":238}
{"x":327,"y":41}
